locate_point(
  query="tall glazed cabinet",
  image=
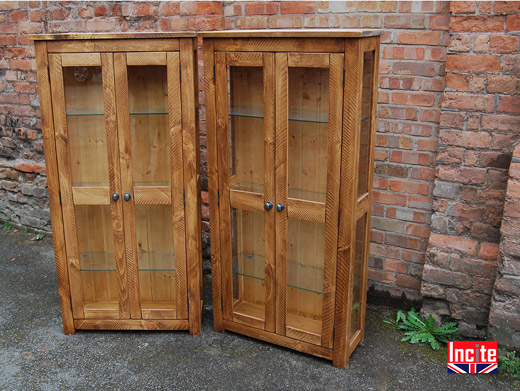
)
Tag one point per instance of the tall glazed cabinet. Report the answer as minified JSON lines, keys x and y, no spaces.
{"x":290,"y":131}
{"x":119,"y":119}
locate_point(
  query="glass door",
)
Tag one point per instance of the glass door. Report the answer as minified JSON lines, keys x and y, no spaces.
{"x":87,"y":150}
{"x":308,"y":138}
{"x":245,"y":133}
{"x":150,"y":139}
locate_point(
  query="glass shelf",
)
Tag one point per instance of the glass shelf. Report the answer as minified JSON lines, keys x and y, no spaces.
{"x":102,"y":114}
{"x":102,"y":261}
{"x":306,"y":195}
{"x":248,"y":186}
{"x":155,"y":261}
{"x":90,"y":184}
{"x":253,"y":262}
{"x":296,"y":116}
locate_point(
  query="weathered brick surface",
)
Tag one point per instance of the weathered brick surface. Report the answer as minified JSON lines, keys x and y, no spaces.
{"x":504,"y":317}
{"x":479,"y":125}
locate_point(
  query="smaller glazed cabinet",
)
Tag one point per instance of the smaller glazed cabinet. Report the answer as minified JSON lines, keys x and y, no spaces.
{"x":290,"y":130}
{"x":119,"y":119}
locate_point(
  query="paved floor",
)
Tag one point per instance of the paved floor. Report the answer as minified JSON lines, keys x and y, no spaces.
{"x":35,"y":355}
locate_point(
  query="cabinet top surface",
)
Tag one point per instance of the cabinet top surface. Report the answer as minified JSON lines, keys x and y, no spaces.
{"x":291,"y":33}
{"x":133,"y":35}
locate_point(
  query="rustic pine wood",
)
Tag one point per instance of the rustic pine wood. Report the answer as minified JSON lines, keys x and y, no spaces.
{"x":123,"y":264}
{"x":313,"y":81}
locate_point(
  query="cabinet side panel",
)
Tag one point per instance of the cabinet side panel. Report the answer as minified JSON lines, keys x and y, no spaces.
{"x":216,"y":267}
{"x":190,"y":183}
{"x":58,"y":235}
{"x":349,"y":155}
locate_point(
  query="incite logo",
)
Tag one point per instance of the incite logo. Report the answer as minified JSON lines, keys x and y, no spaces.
{"x":472,"y":356}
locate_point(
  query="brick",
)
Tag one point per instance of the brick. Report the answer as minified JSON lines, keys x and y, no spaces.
{"x":461,"y":43}
{"x":389,"y":198}
{"x":102,"y":25}
{"x":207,"y":23}
{"x":297,"y":7}
{"x":477,"y":23}
{"x":101,"y":10}
{"x":503,"y":43}
{"x":413,"y":129}
{"x":18,"y":16}
{"x":495,"y":159}
{"x":461,"y":174}
{"x":481,"y":43}
{"x":261,"y":8}
{"x":420,"y":38}
{"x":506,"y":7}
{"x":473,"y":62}
{"x":285,"y":21}
{"x":463,"y":7}
{"x":383,"y":224}
{"x":501,"y":84}
{"x":422,"y":159}
{"x":509,"y":104}
{"x":453,"y":243}
{"x":435,"y":275}
{"x":404,"y":21}
{"x":450,"y":155}
{"x":251,"y":22}
{"x":463,"y":101}
{"x":452,"y":120}
{"x":500,"y":122}
{"x":405,"y":241}
{"x":471,"y":212}
{"x":513,"y":23}
{"x":431,"y":115}
{"x":379,"y":275}
{"x":488,"y":251}
{"x":408,"y":281}
{"x":422,"y":231}
{"x":414,"y":68}
{"x":402,"y":98}
{"x":511,"y":63}
{"x":427,"y":145}
{"x":413,"y":187}
{"x":398,"y":113}
{"x":435,"y":84}
{"x":336,"y":6}
{"x":403,"y":53}
{"x":385,"y":251}
{"x":201,"y":8}
{"x":28,"y":166}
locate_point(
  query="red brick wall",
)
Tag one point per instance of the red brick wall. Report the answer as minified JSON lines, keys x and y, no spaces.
{"x":479,"y":124}
{"x":476,"y":113}
{"x":504,"y":317}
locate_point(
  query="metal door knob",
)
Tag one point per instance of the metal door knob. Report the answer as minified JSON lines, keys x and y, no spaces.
{"x":268,"y":206}
{"x":280,"y":207}
{"x":127,"y":196}
{"x":115,"y":196}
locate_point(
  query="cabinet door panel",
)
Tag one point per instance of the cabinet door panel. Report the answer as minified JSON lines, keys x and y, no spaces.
{"x":245,"y":132}
{"x":86,"y":144}
{"x":150,"y":137}
{"x":309,"y":105}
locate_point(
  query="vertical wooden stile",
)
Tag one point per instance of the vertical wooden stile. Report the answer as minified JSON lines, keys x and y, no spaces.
{"x":53,"y":186}
{"x":349,"y":157}
{"x":109,"y":95}
{"x":333,"y":193}
{"x":188,"y":86}
{"x":282,"y":119}
{"x":62,"y":151}
{"x":177,"y":178}
{"x":213,"y":183}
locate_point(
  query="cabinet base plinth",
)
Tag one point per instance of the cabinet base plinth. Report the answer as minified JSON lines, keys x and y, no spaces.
{"x":130,"y":324}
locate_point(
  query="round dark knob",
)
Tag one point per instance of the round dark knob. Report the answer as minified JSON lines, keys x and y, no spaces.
{"x":127,"y":196}
{"x":268,"y":206}
{"x":115,"y":196}
{"x":280,"y":207}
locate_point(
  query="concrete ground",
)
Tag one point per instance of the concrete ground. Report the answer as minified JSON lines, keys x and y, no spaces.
{"x":35,"y":355}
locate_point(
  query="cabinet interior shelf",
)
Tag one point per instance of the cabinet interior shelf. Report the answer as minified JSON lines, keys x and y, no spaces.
{"x":104,"y":261}
{"x":102,"y":114}
{"x":257,"y":262}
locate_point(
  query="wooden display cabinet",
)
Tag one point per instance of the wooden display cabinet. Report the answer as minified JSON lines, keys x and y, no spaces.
{"x":290,"y":130}
{"x":122,"y":156}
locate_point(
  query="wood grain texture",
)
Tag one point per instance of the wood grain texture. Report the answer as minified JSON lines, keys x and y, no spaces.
{"x":144,"y":325}
{"x":213,"y":183}
{"x":306,"y":210}
{"x":270,"y":190}
{"x":177,"y":180}
{"x":146,"y":58}
{"x":191,"y":212}
{"x":244,"y":59}
{"x":91,"y":195}
{"x":333,"y":194}
{"x":282,"y":117}
{"x":222,"y":131}
{"x":114,"y":45}
{"x":125,"y":155}
{"x":62,"y":151}
{"x":293,"y":33}
{"x":308,"y":60}
{"x":81,"y":59}
{"x":109,"y":94}
{"x":370,"y":44}
{"x":153,"y":195}
{"x":53,"y":186}
{"x":349,"y":157}
{"x":246,"y":200}
{"x":84,"y":36}
{"x":281,"y":340}
{"x":332,"y":45}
